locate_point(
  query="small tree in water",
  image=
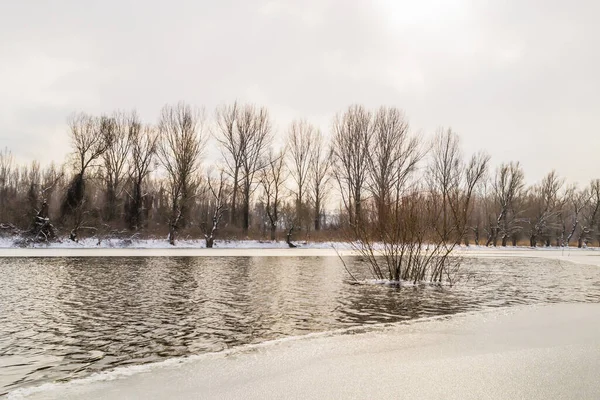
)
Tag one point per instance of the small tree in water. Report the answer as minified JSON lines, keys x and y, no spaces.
{"x":408,"y":227}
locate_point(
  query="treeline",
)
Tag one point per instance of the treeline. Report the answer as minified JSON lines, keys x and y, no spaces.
{"x":372,"y":180}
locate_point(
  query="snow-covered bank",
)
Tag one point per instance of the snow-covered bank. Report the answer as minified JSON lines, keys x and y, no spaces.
{"x":545,"y":352}
{"x":116,"y":243}
{"x":254,"y":248}
{"x":160,"y":247}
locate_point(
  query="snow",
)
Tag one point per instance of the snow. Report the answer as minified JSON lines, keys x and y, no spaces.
{"x":255,"y":248}
{"x":542,"y":352}
{"x":94,"y":243}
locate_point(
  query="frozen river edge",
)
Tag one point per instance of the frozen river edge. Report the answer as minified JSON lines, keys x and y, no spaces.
{"x":535,"y":352}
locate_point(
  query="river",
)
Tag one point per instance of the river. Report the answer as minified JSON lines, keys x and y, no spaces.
{"x":63,"y":318}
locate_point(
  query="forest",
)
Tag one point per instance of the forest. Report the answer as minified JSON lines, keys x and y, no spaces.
{"x":371,"y":178}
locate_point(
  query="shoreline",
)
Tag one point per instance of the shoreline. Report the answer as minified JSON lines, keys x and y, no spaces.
{"x":589,"y":256}
{"x":537,"y":352}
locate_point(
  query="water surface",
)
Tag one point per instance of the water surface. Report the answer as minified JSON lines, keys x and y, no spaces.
{"x":65,"y":318}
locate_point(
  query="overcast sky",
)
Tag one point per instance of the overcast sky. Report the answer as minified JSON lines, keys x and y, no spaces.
{"x":517,"y":78}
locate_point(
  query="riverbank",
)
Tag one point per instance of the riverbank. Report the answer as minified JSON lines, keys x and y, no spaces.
{"x":535,"y":352}
{"x":253,"y":248}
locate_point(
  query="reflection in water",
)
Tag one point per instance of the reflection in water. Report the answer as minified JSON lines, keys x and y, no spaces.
{"x":62,"y":318}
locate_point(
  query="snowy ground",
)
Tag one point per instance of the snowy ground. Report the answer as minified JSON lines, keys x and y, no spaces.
{"x":94,"y":243}
{"x":543,"y":352}
{"x":160,"y":247}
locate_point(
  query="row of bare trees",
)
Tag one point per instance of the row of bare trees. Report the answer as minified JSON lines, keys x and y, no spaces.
{"x":374,"y":180}
{"x":546,"y":213}
{"x":125,"y":176}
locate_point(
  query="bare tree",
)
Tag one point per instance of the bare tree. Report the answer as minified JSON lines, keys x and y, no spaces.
{"x":254,"y":127}
{"x":478,"y":216}
{"x":543,"y":206}
{"x":32,"y":177}
{"x":217,"y":190}
{"x":590,"y":214}
{"x":272,"y":179}
{"x":577,"y":200}
{"x":444,"y":176}
{"x":118,"y":130}
{"x":288,"y":215}
{"x":319,"y":175}
{"x":231,"y":144}
{"x":352,"y":133}
{"x":89,"y":141}
{"x":461,"y":199}
{"x":392,"y":158}
{"x":8,"y":190}
{"x":300,"y":141}
{"x":42,"y":228}
{"x":507,"y":188}
{"x":179,"y":151}
{"x":144,"y":143}
{"x":244,"y":132}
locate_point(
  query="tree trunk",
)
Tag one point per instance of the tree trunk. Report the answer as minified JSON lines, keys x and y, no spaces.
{"x":246,"y":210}
{"x":182,"y":221}
{"x":172,"y":235}
{"x":357,"y":210}
{"x":209,"y":242}
{"x":111,"y":202}
{"x":246,"y":225}
{"x":273,"y":229}
{"x":289,"y":238}
{"x":317,"y":216}
{"x":233,"y":214}
{"x":173,"y":224}
{"x":134,"y":207}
